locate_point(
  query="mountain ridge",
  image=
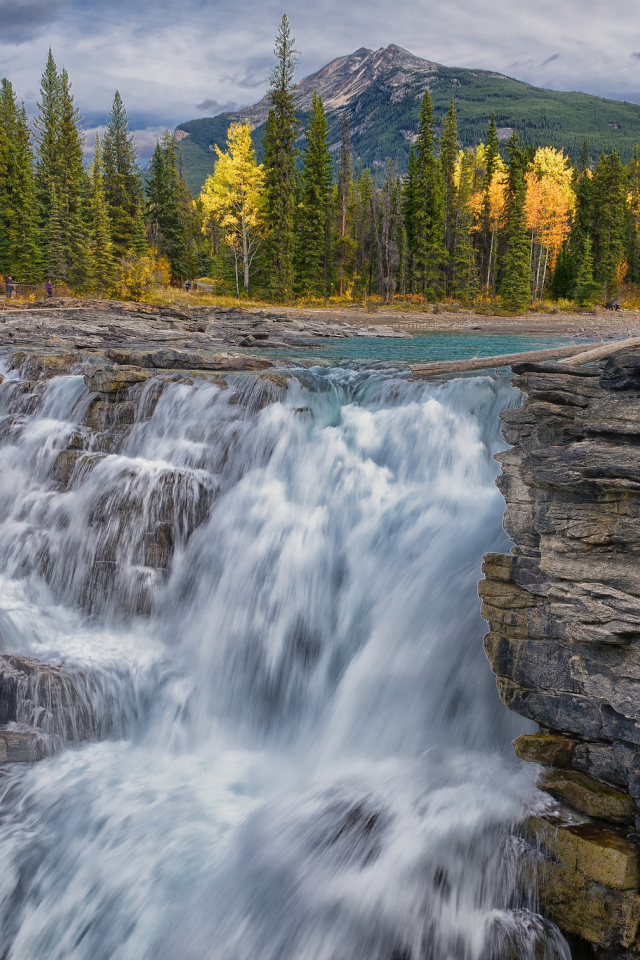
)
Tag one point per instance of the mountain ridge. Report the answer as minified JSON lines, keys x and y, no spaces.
{"x":380,"y":91}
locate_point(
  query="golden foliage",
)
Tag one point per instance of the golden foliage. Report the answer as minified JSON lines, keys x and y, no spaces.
{"x":233,"y":195}
{"x":139,"y":277}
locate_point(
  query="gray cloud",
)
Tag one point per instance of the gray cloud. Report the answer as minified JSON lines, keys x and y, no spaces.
{"x":636,"y":56}
{"x":22,"y":20}
{"x":213,"y":107}
{"x":162,"y":54}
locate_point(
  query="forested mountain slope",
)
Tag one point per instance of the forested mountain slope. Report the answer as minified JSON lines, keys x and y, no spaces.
{"x":380,"y":90}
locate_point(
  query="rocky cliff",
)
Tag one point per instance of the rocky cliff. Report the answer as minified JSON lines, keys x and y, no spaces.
{"x":564,"y":617}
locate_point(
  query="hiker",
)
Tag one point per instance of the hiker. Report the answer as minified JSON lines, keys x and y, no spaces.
{"x":49,"y":287}
{"x":187,"y":284}
{"x":9,"y":285}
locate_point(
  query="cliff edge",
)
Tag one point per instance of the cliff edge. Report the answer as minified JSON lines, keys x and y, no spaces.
{"x":564,"y":637}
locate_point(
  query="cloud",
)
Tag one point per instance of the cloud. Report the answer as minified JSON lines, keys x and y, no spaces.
{"x":162,"y":54}
{"x":213,"y":107}
{"x":636,"y":56}
{"x":22,"y":20}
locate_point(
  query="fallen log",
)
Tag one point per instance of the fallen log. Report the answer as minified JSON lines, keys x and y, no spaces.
{"x":486,"y":363}
{"x":574,"y":355}
{"x":604,"y":350}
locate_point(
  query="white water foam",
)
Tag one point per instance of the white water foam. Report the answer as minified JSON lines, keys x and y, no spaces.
{"x":309,"y":760}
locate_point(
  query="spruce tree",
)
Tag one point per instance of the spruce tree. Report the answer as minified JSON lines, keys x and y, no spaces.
{"x":165,"y":207}
{"x":74,"y":188}
{"x":280,"y":164}
{"x":47,"y":128}
{"x":587,"y":290}
{"x":448,"y":157}
{"x":516,"y":282}
{"x":8,"y":123}
{"x":343,"y":241}
{"x":427,"y":216}
{"x":23,"y":232}
{"x":56,"y":263}
{"x":315,"y":189}
{"x":609,"y":212}
{"x":102,"y":262}
{"x":409,"y":200}
{"x":122,"y":182}
{"x":465,"y":281}
{"x":139,"y":243}
{"x":488,"y":240}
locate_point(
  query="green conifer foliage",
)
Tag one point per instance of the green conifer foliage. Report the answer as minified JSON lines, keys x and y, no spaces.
{"x":47,"y":127}
{"x":280,"y":164}
{"x":122,"y":181}
{"x":409,"y":199}
{"x":609,"y":221}
{"x":313,"y":208}
{"x":488,"y":239}
{"x":344,"y":243}
{"x":587,"y":290}
{"x":516,"y":282}
{"x":464,"y":274}
{"x":102,"y":262}
{"x":427,"y":214}
{"x":563,"y":280}
{"x":448,"y":157}
{"x":8,"y":122}
{"x":23,"y":232}
{"x":165,"y":207}
{"x":57,"y":267}
{"x":139,"y":242}
{"x":633,"y":226}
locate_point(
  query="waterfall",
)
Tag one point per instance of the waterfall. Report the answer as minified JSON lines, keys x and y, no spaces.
{"x":263,"y":596}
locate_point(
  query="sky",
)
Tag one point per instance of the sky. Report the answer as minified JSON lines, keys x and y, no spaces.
{"x":175,"y":60}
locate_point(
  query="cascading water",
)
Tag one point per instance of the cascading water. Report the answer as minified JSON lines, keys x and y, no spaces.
{"x":303,"y":753}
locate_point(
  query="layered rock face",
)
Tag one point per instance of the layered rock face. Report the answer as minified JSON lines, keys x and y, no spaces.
{"x":564,"y":639}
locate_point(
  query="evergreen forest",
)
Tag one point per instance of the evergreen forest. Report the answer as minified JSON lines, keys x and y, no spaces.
{"x":503,"y":223}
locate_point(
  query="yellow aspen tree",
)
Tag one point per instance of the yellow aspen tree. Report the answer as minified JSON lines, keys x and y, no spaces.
{"x":550,"y":204}
{"x":233,"y":198}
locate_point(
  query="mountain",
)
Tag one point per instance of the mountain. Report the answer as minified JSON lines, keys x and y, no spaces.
{"x":380,"y":90}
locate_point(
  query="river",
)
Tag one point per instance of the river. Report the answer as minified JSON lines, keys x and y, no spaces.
{"x":302,"y":754}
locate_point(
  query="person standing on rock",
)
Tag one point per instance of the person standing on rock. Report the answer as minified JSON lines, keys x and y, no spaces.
{"x":49,"y":287}
{"x":9,"y":285}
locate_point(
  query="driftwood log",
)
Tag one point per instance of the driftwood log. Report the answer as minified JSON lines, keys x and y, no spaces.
{"x":574,"y":355}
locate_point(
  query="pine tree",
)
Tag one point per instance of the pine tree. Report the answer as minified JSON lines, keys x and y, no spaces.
{"x":74,"y":188}
{"x":563,"y":280}
{"x":166,"y":209}
{"x":8,"y":123}
{"x":409,"y":200}
{"x":280,"y":164}
{"x":313,"y":207}
{"x":122,"y":182}
{"x":448,"y":156}
{"x":47,"y":127}
{"x":465,"y":281}
{"x":427,"y":214}
{"x":516,"y":283}
{"x":344,"y":241}
{"x":102,"y":262}
{"x":23,"y":233}
{"x":488,"y":239}
{"x":139,"y":242}
{"x":587,"y":290}
{"x":56,"y":263}
{"x":609,"y":212}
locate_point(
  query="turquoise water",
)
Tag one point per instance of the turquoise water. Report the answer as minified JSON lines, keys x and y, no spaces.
{"x":419,"y":349}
